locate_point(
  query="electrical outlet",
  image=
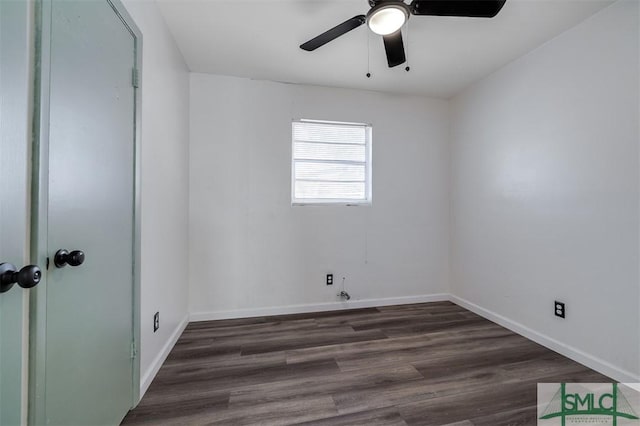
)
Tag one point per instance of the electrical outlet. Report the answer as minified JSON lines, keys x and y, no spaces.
{"x":559,"y":309}
{"x":156,"y":321}
{"x":329,"y":279}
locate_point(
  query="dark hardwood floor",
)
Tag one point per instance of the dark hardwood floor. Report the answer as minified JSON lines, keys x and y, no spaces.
{"x":426,"y":364}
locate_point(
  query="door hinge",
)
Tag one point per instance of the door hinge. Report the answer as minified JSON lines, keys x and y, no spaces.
{"x":135,"y":78}
{"x":134,"y":353}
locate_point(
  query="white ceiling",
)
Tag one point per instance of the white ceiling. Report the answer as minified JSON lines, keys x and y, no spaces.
{"x":259,"y":39}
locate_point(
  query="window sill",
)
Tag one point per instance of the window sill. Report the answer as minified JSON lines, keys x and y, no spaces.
{"x":329,"y":204}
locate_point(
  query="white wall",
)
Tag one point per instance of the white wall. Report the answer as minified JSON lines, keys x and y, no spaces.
{"x":165,"y":162}
{"x":545,"y":192}
{"x":250,"y":249}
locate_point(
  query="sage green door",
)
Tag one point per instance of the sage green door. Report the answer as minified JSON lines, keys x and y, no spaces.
{"x":14,"y":220}
{"x":89,"y":320}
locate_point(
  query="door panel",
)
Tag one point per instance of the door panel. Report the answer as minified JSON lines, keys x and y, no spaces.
{"x":13,"y":200}
{"x":90,"y":208}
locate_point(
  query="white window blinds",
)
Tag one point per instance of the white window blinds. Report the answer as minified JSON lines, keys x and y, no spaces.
{"x":331,"y":162}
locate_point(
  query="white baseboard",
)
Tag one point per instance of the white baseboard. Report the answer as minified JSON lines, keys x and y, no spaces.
{"x":317,"y":307}
{"x":157,"y":362}
{"x":577,"y":355}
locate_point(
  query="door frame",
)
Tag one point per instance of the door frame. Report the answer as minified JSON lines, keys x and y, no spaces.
{"x":39,"y":206}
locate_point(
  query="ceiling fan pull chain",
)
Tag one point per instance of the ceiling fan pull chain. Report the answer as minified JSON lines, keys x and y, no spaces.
{"x":407,"y":68}
{"x":368,"y":55}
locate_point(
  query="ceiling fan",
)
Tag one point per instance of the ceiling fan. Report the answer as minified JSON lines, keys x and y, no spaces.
{"x":387,"y":17}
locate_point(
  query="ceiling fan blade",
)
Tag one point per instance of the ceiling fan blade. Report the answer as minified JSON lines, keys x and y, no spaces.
{"x":333,"y":33}
{"x":395,"y":49}
{"x":470,"y":8}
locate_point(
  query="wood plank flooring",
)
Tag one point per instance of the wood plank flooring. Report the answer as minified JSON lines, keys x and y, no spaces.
{"x":425,"y":364}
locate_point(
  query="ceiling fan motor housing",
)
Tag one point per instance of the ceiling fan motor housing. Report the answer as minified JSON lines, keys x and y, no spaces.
{"x":374,"y":3}
{"x":387,"y":16}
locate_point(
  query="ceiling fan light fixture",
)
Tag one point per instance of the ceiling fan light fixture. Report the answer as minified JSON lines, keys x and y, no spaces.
{"x":387,"y":18}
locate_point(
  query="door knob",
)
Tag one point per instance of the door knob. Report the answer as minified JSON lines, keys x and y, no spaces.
{"x":27,"y":277}
{"x":63,"y":257}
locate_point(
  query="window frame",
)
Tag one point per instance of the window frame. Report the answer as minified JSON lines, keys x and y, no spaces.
{"x":367,"y":201}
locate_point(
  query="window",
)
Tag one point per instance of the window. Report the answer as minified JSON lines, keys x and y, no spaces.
{"x":331,"y":163}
